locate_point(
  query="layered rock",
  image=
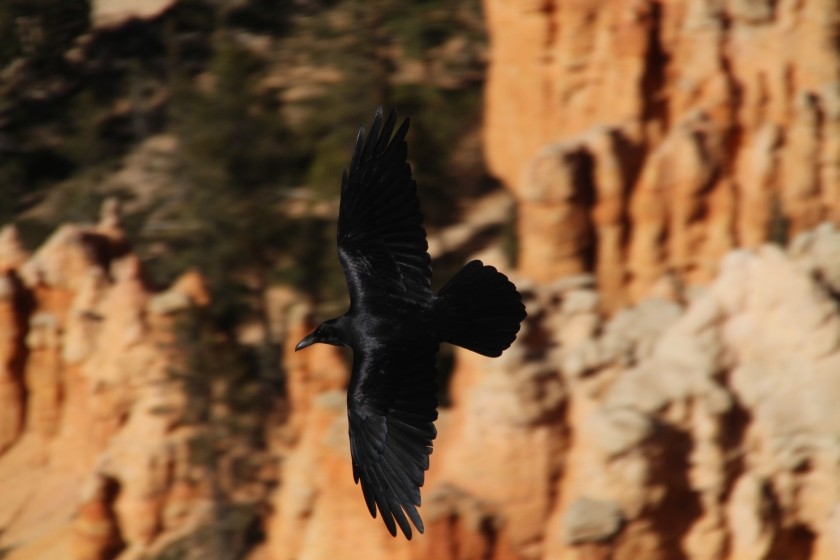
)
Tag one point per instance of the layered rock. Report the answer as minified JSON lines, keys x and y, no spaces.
{"x":705,"y":435}
{"x":675,"y":131}
{"x":14,"y":311}
{"x":90,"y":450}
{"x":642,"y":142}
{"x":704,"y":430}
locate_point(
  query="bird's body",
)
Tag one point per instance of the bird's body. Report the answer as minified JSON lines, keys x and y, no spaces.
{"x":396,"y":322}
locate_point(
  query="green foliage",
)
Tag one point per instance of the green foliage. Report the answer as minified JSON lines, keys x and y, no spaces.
{"x":226,"y":408}
{"x":267,"y":16}
{"x":11,"y":184}
{"x":239,"y":159}
{"x":84,"y":144}
{"x":363,"y":45}
{"x":424,"y":25}
{"x":255,"y":194}
{"x":256,"y":180}
{"x":310,"y":263}
{"x":41,"y":31}
{"x":439,"y":119}
{"x":227,"y":540}
{"x":234,"y":160}
{"x":177,"y":550}
{"x":35,"y":35}
{"x":778,"y":229}
{"x":510,"y":238}
{"x":226,"y":219}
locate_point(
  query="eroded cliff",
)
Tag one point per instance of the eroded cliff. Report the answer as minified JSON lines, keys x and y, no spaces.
{"x":671,"y":396}
{"x":645,"y":138}
{"x":700,"y":429}
{"x":92,"y":457}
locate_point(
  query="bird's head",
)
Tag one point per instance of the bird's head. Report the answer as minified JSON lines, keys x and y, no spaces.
{"x":328,"y":332}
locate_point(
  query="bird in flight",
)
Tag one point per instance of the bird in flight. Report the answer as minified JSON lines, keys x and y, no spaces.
{"x":395,"y":322}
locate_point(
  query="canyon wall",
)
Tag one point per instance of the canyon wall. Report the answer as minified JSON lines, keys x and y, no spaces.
{"x":705,"y":429}
{"x":93,"y":459}
{"x":672,"y":395}
{"x":644,"y":139}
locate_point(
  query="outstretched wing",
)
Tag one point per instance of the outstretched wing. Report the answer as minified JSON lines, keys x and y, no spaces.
{"x":391,"y":405}
{"x":381,"y":241}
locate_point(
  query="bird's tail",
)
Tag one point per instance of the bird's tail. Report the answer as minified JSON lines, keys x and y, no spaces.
{"x":479,"y":309}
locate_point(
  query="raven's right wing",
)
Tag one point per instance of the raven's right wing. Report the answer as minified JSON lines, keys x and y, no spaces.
{"x":381,"y":241}
{"x":392,"y":406}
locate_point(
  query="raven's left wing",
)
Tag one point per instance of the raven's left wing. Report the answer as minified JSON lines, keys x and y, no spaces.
{"x":392,"y":406}
{"x":381,"y":241}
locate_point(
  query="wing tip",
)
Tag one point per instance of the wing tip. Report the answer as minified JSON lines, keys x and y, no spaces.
{"x":379,"y":139}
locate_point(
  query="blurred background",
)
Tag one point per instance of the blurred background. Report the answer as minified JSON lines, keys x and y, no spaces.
{"x":660,"y":179}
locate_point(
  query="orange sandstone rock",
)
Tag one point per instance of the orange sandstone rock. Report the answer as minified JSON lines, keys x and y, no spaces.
{"x":733,"y":108}
{"x":84,"y":393}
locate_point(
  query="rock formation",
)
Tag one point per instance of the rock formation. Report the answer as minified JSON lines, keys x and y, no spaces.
{"x":648,"y":138}
{"x":89,"y":459}
{"x":672,"y":394}
{"x":668,"y":398}
{"x":705,"y":430}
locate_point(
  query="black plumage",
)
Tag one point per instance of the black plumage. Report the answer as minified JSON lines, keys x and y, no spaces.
{"x":396,"y":322}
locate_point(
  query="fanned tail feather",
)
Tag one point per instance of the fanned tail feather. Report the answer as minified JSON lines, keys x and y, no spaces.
{"x":480,"y":310}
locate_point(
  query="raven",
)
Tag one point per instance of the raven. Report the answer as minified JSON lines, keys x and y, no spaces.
{"x":396,"y":322}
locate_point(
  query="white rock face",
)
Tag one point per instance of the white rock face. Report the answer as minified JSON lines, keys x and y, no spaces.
{"x":589,"y":520}
{"x":112,"y":13}
{"x":718,"y":420}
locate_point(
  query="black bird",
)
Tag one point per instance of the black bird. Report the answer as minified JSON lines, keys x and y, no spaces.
{"x":395,"y":322}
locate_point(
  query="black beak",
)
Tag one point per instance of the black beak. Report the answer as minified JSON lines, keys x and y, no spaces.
{"x":307,"y":341}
